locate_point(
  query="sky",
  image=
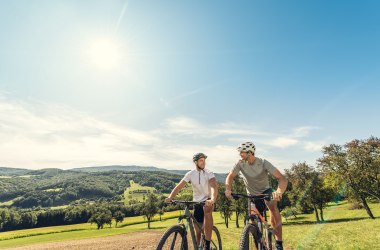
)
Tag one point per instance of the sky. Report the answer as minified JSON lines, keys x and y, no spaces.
{"x":151,"y":83}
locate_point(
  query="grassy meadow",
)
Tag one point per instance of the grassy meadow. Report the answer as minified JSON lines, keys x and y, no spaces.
{"x":343,"y":229}
{"x":136,"y":192}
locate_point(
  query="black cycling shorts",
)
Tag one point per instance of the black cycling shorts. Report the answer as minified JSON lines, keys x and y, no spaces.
{"x":260,"y":204}
{"x":199,"y":214}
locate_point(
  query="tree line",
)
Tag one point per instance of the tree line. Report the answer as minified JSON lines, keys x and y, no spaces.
{"x":100,"y":213}
{"x":55,"y":187}
{"x":348,"y":171}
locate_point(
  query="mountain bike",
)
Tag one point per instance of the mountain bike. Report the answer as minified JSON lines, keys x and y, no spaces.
{"x":175,"y":236}
{"x":257,"y":233}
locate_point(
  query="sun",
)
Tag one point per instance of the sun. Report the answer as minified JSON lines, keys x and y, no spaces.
{"x":105,"y":54}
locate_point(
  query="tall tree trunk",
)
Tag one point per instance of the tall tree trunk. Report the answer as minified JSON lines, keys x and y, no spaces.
{"x":316,"y":213}
{"x":366,"y":207}
{"x":237,"y":219}
{"x":321,"y":212}
{"x":226,"y":221}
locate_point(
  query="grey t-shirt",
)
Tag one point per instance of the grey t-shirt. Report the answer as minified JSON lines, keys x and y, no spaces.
{"x":255,"y":176}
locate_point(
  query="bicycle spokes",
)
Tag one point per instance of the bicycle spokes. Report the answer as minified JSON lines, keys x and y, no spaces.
{"x":173,"y":243}
{"x":174,"y":240}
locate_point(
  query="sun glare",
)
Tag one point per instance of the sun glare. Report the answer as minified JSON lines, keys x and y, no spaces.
{"x":105,"y":54}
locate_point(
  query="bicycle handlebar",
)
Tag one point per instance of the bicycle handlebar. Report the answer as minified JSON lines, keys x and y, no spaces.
{"x":188,"y":203}
{"x":253,"y":197}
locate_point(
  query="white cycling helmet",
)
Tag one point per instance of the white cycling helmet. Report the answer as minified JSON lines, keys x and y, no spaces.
{"x":247,"y":146}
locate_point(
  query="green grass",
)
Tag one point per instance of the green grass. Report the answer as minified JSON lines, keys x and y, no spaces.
{"x":9,"y":203}
{"x":6,"y":204}
{"x":343,"y":229}
{"x":53,"y":189}
{"x":131,"y":194}
{"x":82,"y":231}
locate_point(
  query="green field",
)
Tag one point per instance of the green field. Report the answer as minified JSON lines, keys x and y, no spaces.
{"x":137,"y":193}
{"x":343,"y":229}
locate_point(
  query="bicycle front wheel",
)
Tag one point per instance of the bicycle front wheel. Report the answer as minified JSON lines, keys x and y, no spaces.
{"x":270,"y":240}
{"x":216,"y":241}
{"x":250,"y":238}
{"x":173,"y":238}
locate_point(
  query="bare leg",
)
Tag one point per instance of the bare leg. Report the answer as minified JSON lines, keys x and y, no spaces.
{"x":275,"y":219}
{"x":208,"y":222}
{"x":198,"y":232}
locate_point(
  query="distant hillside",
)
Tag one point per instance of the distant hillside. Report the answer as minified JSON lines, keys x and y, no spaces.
{"x":116,"y":167}
{"x":56,"y":187}
{"x":128,"y":168}
{"x":219,"y":176}
{"x":13,"y":171}
{"x":49,"y":187}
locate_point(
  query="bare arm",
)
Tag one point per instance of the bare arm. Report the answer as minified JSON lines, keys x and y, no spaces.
{"x":176,"y":190}
{"x":214,"y":190}
{"x":282,"y":184}
{"x":229,"y":179}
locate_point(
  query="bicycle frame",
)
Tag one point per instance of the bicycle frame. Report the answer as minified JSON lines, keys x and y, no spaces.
{"x":190,"y":220}
{"x":254,"y":216}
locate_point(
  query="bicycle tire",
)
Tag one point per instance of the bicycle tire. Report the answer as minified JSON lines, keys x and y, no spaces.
{"x":173,"y":231}
{"x":216,"y":240}
{"x":270,"y":240}
{"x":253,"y":231}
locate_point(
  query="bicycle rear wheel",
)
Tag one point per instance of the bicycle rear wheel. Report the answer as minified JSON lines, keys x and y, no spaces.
{"x":216,"y":241}
{"x":173,"y":238}
{"x":250,"y":238}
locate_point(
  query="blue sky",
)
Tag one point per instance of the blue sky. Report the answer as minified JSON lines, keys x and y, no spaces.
{"x":150,"y":83}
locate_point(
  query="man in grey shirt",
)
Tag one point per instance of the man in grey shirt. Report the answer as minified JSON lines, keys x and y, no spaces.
{"x":255,"y":175}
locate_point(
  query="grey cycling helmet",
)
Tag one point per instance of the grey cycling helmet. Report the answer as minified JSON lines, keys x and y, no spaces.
{"x":198,"y":156}
{"x":247,"y":146}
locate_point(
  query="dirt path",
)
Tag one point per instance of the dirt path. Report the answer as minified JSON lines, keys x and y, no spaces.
{"x":136,"y":241}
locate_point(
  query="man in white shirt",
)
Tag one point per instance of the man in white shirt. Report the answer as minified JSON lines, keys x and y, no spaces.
{"x":204,"y":189}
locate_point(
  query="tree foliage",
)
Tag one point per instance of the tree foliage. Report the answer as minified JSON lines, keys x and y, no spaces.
{"x":224,"y":205}
{"x":355,"y":165}
{"x":150,"y":208}
{"x":308,"y":190}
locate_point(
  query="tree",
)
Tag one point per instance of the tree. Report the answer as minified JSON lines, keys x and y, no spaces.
{"x":309,"y":191}
{"x":101,"y":216}
{"x":239,"y":205}
{"x":300,"y":178}
{"x":161,"y":206}
{"x":289,"y":211}
{"x":357,"y":165}
{"x":4,"y":218}
{"x":320,"y":194}
{"x":150,"y":208}
{"x":224,"y":205}
{"x":28,"y":219}
{"x":119,"y":217}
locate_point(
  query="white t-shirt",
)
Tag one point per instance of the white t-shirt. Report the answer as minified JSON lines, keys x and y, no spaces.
{"x":200,"y":182}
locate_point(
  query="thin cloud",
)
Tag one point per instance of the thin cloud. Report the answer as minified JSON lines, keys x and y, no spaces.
{"x":168,"y":102}
{"x":40,"y":136}
{"x":283,"y":142}
{"x":303,"y":131}
{"x":314,"y":146}
{"x":122,"y":13}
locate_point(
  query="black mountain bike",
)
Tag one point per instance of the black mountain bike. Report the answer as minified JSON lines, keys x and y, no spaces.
{"x":257,"y":233}
{"x":175,"y":236}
